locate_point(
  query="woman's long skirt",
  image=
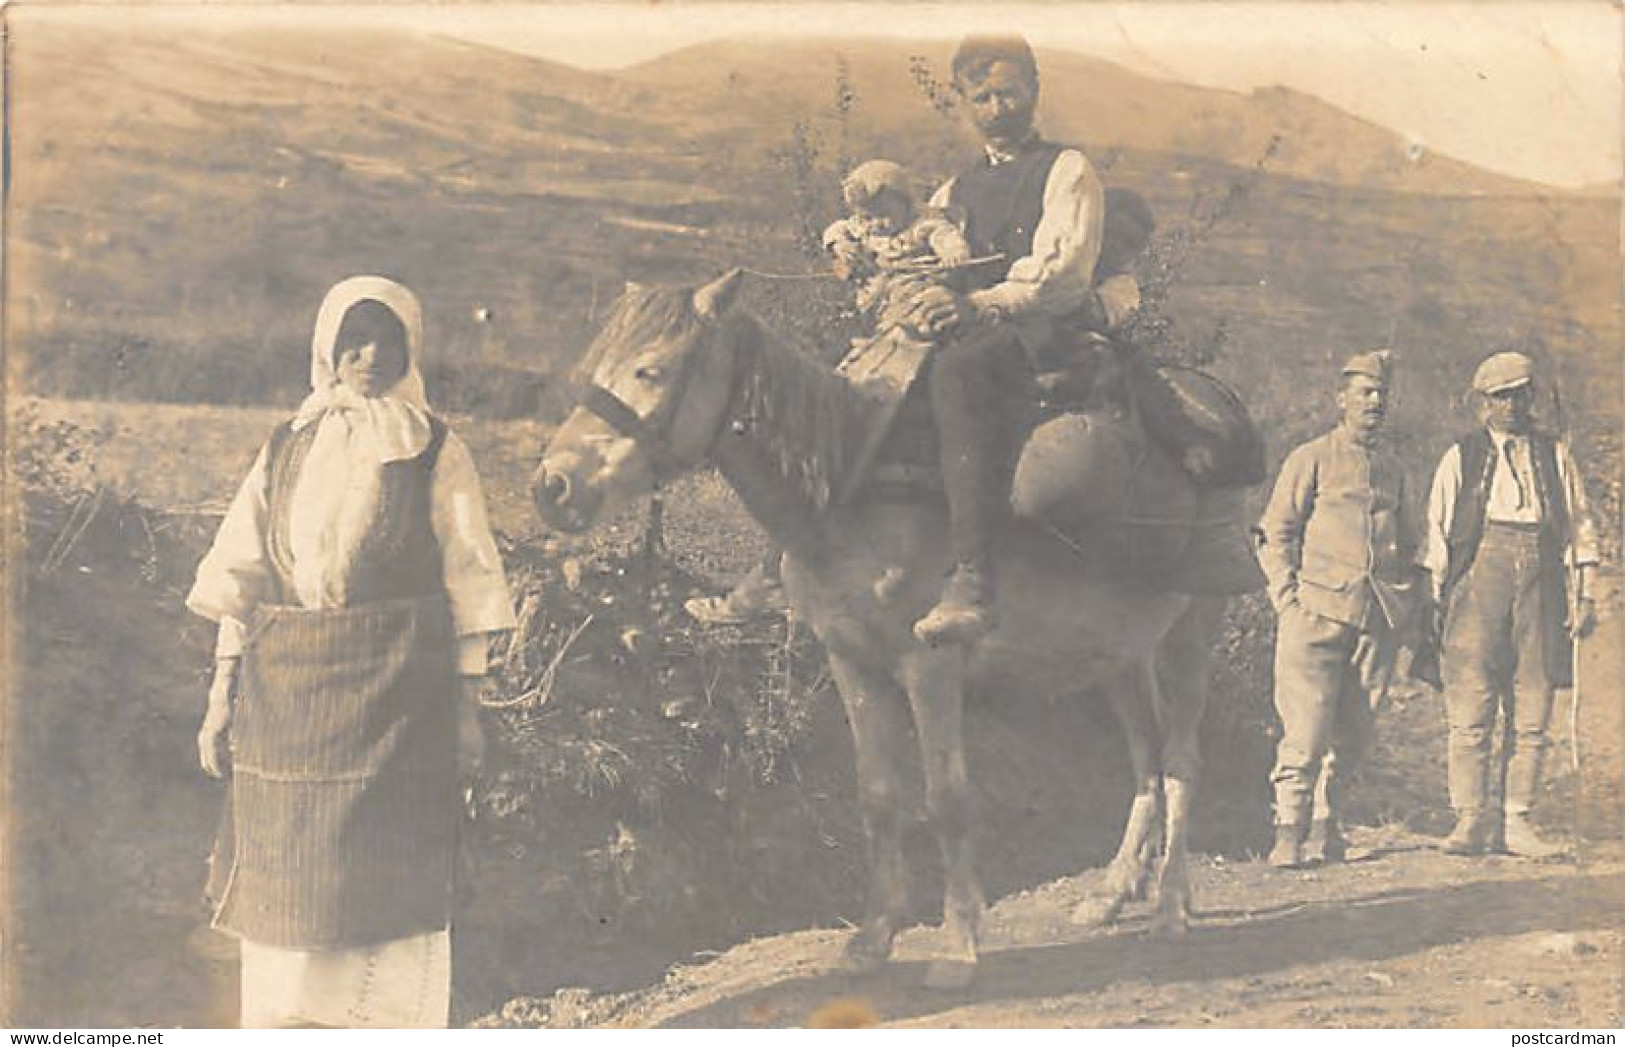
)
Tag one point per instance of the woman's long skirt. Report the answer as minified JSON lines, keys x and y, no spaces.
{"x":335,"y":867}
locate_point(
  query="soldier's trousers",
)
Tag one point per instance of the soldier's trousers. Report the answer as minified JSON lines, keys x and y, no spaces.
{"x":1493,"y":661}
{"x":1329,"y":677}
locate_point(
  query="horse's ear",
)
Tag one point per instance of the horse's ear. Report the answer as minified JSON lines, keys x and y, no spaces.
{"x":714,"y":298}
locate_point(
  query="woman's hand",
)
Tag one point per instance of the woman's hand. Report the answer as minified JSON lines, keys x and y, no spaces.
{"x":215,"y":733}
{"x":470,"y":731}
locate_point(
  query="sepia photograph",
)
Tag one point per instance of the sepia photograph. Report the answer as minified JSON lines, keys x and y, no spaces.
{"x":813,"y":515}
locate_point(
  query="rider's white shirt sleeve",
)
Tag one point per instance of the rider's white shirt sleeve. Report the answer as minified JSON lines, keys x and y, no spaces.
{"x":1058,"y":276}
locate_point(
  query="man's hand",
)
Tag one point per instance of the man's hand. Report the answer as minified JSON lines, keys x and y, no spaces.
{"x":1119,"y":298}
{"x":936,"y":312}
{"x":1425,"y":645}
{"x":215,"y":733}
{"x":1582,"y":617}
{"x":470,"y":731}
{"x":1284,"y":596}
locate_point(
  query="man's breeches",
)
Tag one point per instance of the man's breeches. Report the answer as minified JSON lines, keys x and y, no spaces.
{"x":981,"y":390}
{"x":1328,"y":676}
{"x":1493,"y":659}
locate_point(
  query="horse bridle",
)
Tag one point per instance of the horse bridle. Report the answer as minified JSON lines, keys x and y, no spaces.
{"x":652,"y":434}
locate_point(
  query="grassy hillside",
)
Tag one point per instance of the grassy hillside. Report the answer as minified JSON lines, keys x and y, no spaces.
{"x":174,"y":241}
{"x":738,"y":84}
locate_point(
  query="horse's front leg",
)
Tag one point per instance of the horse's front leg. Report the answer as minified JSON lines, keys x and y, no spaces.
{"x":878,"y":712}
{"x":935,"y":682}
{"x":1181,"y":672}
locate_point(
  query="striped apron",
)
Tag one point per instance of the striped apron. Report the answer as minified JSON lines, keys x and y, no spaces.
{"x":343,"y":794}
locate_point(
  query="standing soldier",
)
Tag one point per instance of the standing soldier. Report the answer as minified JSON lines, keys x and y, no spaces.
{"x":1506,"y":514}
{"x":1337,"y":550}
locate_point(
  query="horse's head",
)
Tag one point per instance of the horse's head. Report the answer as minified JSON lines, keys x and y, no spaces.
{"x":657,"y":380}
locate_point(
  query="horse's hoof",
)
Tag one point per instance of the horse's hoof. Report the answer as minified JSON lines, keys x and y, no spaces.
{"x":1171,"y":926}
{"x":866,"y":952}
{"x":950,"y":975}
{"x":1099,"y":912}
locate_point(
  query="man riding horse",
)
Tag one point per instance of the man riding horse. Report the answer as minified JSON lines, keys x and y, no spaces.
{"x":1041,"y":207}
{"x":684,"y":378}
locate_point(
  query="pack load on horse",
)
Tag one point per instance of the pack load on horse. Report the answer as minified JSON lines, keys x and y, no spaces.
{"x":1138,"y":464}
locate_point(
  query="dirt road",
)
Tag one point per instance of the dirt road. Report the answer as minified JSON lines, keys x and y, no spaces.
{"x":1404,"y":936}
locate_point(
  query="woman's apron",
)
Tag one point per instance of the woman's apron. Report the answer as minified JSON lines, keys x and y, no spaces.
{"x":342,"y":819}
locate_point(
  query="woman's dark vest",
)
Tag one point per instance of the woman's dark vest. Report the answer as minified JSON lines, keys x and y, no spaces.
{"x":1478,"y":460}
{"x":400,"y":556}
{"x":1002,"y":204}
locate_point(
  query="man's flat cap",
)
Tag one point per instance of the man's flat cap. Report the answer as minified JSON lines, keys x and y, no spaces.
{"x":1503,"y":371}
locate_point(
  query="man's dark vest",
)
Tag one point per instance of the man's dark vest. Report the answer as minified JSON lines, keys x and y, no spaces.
{"x":1002,"y":204}
{"x":400,"y":556}
{"x":1479,"y":456}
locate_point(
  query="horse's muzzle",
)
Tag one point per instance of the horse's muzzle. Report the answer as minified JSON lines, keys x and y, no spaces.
{"x":556,"y":500}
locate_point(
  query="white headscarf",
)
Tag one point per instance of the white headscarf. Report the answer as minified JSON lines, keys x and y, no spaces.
{"x":399,"y":416}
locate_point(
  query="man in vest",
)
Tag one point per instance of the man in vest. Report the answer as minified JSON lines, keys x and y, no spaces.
{"x":1506,"y":516}
{"x":1338,"y":552}
{"x":1039,"y":207}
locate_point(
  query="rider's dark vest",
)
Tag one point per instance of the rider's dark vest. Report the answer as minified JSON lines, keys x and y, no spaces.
{"x":1478,"y":461}
{"x":400,"y":556}
{"x":1002,"y":204}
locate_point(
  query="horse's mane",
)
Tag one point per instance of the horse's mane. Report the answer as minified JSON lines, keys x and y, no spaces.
{"x":806,"y":420}
{"x":803,"y":424}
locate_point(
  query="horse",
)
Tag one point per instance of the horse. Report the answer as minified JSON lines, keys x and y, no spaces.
{"x":683,"y":378}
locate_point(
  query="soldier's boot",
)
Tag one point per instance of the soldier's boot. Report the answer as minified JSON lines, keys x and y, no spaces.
{"x":1520,"y":838}
{"x":965,"y":612}
{"x":1471,"y":834}
{"x":1326,"y":843}
{"x":1288,"y":850}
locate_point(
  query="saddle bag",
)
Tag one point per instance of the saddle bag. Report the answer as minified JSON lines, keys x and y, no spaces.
{"x":1199,"y":420}
{"x":1120,"y":502}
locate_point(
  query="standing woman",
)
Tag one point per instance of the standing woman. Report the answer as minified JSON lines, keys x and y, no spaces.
{"x":356,"y":584}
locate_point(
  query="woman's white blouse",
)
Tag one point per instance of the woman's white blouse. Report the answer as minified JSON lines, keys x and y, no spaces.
{"x":237,"y":574}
